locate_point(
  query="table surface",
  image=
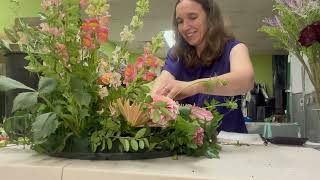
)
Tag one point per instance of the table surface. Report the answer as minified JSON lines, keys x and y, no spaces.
{"x":236,"y":162}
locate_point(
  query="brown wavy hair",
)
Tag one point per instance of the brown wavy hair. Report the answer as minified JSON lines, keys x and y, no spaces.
{"x":216,"y":38}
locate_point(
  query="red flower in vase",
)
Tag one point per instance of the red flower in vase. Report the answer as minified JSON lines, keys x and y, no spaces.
{"x":310,"y":34}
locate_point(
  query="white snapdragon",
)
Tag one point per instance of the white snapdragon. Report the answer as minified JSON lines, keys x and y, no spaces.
{"x":127,"y":35}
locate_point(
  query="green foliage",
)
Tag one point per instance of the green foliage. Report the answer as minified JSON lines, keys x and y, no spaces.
{"x":7,"y":84}
{"x":87,"y":102}
{"x":44,"y":125}
{"x":25,"y":101}
{"x":47,"y":85}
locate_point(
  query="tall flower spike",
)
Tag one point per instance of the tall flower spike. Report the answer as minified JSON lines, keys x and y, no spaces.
{"x":132,"y":113}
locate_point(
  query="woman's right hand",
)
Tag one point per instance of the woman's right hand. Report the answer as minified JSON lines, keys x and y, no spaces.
{"x":162,"y":85}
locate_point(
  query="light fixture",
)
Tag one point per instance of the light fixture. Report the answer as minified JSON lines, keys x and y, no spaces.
{"x":169,"y":38}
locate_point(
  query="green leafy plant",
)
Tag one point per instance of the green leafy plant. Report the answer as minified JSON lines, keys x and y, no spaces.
{"x":89,"y":102}
{"x":296,"y":29}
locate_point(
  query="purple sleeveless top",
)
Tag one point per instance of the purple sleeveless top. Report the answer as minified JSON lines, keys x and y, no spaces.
{"x":233,"y":120}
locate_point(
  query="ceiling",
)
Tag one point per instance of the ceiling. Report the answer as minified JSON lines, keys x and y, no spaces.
{"x":242,"y":17}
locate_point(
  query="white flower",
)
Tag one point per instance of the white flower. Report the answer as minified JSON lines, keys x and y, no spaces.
{"x":115,"y":80}
{"x":136,"y":22}
{"x":103,"y":92}
{"x":127,"y":35}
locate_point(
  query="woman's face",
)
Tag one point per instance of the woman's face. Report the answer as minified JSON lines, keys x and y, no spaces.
{"x":192,"y":22}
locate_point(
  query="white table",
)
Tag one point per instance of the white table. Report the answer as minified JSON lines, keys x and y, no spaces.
{"x":236,"y":162}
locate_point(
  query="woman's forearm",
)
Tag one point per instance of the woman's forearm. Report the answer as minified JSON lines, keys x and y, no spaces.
{"x":236,"y":83}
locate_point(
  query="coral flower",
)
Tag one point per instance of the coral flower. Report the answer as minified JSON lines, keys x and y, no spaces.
{"x":102,"y":35}
{"x":87,"y":41}
{"x":105,"y":79}
{"x":152,"y":61}
{"x":129,"y":74}
{"x":148,"y":76}
{"x":90,"y":25}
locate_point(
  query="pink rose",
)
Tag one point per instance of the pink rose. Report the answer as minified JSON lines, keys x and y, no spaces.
{"x":201,"y":113}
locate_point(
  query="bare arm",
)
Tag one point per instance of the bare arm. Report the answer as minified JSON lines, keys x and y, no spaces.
{"x":240,"y":79}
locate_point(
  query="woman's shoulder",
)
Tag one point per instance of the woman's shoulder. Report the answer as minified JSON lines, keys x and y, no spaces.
{"x":232,"y":43}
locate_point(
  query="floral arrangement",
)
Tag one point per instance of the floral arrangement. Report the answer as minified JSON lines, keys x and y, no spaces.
{"x":296,"y":26}
{"x":89,"y":102}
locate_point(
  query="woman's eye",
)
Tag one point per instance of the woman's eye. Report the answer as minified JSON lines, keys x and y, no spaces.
{"x":193,"y":17}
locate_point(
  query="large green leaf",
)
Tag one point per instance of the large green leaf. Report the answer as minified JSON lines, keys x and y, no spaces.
{"x":24,"y":101}
{"x":46,"y":85}
{"x":79,"y":92}
{"x":44,"y":125}
{"x":7,"y":84}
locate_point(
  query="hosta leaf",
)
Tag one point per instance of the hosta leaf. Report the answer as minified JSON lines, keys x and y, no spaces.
{"x":46,"y":85}
{"x":7,"y":84}
{"x":24,"y":101}
{"x":44,"y":125}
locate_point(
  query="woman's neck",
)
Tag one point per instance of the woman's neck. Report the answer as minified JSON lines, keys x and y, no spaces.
{"x":200,"y":48}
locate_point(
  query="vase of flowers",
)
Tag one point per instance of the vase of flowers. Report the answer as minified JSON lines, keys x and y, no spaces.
{"x":296,"y":27}
{"x":87,"y":102}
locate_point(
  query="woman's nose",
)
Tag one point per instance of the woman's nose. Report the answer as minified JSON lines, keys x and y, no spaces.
{"x":185,"y":26}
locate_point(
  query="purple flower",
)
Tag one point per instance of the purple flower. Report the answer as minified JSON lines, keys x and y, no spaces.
{"x":272,"y":22}
{"x":310,"y":34}
{"x":198,"y":136}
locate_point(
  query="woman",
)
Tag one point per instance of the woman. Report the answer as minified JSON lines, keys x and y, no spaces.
{"x":204,"y":50}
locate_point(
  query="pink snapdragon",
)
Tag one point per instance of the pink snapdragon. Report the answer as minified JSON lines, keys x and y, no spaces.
{"x":198,"y":136}
{"x":62,"y":51}
{"x":52,"y":30}
{"x":201,"y":113}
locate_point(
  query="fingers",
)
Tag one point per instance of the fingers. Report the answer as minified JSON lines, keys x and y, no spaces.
{"x":163,"y":90}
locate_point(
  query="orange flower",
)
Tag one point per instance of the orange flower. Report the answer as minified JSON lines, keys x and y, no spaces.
{"x":152,"y":61}
{"x":90,"y":25}
{"x":105,"y":79}
{"x":102,"y":35}
{"x":129,"y":74}
{"x":87,"y":41}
